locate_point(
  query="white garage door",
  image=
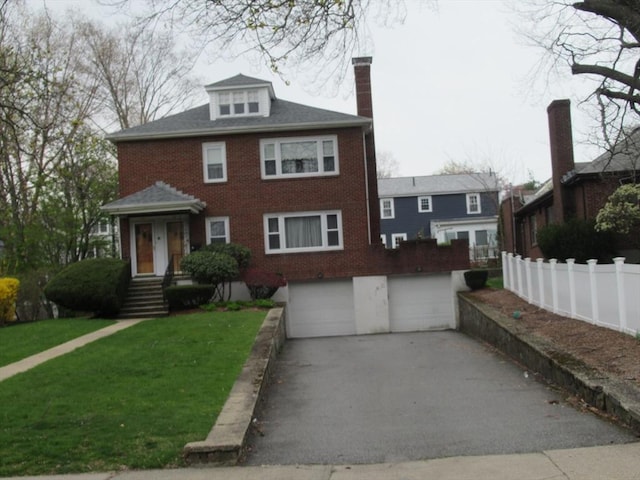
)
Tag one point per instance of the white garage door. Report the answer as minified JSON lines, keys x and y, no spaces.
{"x":320,"y":309}
{"x":422,"y":302}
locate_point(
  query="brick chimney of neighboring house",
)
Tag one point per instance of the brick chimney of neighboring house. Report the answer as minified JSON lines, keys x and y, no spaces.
{"x":562,"y":162}
{"x":364,"y":102}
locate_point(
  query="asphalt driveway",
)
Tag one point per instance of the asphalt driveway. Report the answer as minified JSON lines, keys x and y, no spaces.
{"x":398,"y":397}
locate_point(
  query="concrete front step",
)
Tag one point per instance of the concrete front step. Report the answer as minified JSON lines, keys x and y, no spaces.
{"x":144,"y":299}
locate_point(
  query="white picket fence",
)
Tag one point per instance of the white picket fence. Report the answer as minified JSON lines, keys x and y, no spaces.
{"x":607,"y":295}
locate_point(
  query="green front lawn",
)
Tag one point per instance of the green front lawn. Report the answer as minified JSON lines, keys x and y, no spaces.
{"x":130,"y":400}
{"x":26,"y":339}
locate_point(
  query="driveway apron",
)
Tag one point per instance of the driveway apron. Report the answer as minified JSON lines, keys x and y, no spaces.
{"x":398,"y":397}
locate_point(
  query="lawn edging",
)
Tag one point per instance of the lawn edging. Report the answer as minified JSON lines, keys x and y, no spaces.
{"x":225,"y":443}
{"x":610,"y":395}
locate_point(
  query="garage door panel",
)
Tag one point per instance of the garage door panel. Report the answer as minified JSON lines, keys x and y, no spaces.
{"x":420,"y":303}
{"x":320,"y":309}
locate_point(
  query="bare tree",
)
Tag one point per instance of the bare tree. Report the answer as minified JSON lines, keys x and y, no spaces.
{"x":386,"y":164}
{"x":598,"y":40}
{"x":142,"y":75}
{"x":316,"y":35}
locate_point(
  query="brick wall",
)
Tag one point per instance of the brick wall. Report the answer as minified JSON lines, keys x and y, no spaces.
{"x":245,"y":198}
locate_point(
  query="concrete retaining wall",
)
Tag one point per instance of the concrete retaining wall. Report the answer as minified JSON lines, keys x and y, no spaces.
{"x":615,"y":397}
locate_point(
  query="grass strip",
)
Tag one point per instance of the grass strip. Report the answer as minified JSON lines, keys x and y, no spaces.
{"x":25,"y":339}
{"x":129,"y":401}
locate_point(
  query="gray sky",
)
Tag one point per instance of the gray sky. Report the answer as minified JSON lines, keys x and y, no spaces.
{"x":452,"y":84}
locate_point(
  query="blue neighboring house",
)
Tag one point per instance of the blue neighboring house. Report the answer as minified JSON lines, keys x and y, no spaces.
{"x":444,"y":207}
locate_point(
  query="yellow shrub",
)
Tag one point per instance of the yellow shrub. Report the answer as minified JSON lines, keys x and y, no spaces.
{"x":8,"y":297}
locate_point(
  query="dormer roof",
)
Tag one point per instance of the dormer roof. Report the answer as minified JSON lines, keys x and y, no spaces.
{"x":241,"y":81}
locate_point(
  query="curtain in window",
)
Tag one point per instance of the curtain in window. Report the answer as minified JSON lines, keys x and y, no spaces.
{"x":303,"y":232}
{"x":299,"y":157}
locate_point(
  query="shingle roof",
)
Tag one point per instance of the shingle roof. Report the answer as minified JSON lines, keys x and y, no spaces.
{"x":159,"y":197}
{"x":284,"y":115}
{"x":437,"y":184}
{"x":239,"y":80}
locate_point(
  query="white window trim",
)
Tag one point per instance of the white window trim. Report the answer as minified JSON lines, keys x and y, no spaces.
{"x":227,"y":233}
{"x":205,"y":170}
{"x":393,"y":210}
{"x":420,"y":209}
{"x":278,"y":159}
{"x":469,"y":196}
{"x":245,"y":101}
{"x":395,"y":237}
{"x":281,"y":231}
{"x":383,"y":239}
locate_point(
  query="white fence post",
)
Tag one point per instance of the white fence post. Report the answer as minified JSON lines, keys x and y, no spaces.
{"x":572,"y":286}
{"x":512,"y":283}
{"x":505,"y":270}
{"x":540,"y":261}
{"x":593,"y":282}
{"x":527,"y":271}
{"x":554,"y":284}
{"x":622,"y":307}
{"x":519,"y":273}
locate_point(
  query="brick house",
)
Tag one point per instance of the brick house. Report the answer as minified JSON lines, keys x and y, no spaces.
{"x":575,"y":190}
{"x":295,"y":184}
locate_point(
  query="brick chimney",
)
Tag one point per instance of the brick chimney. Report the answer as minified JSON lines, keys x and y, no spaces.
{"x":362,"y":75}
{"x":562,"y":162}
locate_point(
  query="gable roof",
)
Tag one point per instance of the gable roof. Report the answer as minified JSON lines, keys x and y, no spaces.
{"x":159,"y":197}
{"x":437,"y":185}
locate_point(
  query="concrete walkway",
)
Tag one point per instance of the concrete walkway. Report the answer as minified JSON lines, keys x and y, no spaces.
{"x":620,"y":462}
{"x":35,"y":360}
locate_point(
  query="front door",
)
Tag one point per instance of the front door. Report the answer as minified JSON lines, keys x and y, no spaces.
{"x":175,"y":242}
{"x":144,"y":248}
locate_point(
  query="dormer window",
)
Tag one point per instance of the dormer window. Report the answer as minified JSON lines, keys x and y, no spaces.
{"x":238,"y":103}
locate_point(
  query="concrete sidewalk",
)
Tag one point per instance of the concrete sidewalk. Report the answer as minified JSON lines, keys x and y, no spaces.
{"x":35,"y":360}
{"x":620,"y":462}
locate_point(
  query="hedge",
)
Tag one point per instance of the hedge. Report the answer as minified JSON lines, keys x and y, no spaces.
{"x":188,"y":296}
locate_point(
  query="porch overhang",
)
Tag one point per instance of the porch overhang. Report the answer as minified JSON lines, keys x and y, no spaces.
{"x":159,"y":198}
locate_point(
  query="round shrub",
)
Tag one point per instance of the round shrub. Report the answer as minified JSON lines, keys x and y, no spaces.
{"x":210,"y":267}
{"x":97,"y":285}
{"x":261,"y":284}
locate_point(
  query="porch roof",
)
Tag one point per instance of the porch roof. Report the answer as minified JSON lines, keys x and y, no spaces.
{"x":158,"y":198}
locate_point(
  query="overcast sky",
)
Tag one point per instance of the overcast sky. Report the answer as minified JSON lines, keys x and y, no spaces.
{"x":452,"y":84}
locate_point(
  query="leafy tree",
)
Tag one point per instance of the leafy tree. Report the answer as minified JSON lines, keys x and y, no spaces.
{"x":621,"y":213}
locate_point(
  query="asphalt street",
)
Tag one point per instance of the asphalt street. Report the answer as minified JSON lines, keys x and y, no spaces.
{"x":402,"y":397}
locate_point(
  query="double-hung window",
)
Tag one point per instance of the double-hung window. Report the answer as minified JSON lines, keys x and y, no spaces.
{"x":214,"y":160}
{"x":396,"y":238}
{"x":424,"y":204}
{"x":473,"y":203}
{"x":218,"y":230}
{"x":303,"y":232}
{"x":299,"y":157}
{"x":386,"y":208}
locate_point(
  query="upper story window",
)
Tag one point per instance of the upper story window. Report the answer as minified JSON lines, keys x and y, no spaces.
{"x":424,"y":204}
{"x":299,"y":157}
{"x":386,"y":208}
{"x":218,"y":230}
{"x":238,"y":103}
{"x":214,"y":161}
{"x":303,"y":232}
{"x":473,"y":203}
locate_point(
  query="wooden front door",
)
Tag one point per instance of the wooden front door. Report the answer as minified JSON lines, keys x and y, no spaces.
{"x":175,"y":242}
{"x":144,"y":248}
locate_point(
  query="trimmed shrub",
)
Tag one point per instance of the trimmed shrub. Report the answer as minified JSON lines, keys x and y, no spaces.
{"x":575,"y":239}
{"x":476,"y":279}
{"x":8,"y":296}
{"x":212,"y":268}
{"x":261,"y":284}
{"x":97,"y":285}
{"x":240,"y":253}
{"x":181,"y":297}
